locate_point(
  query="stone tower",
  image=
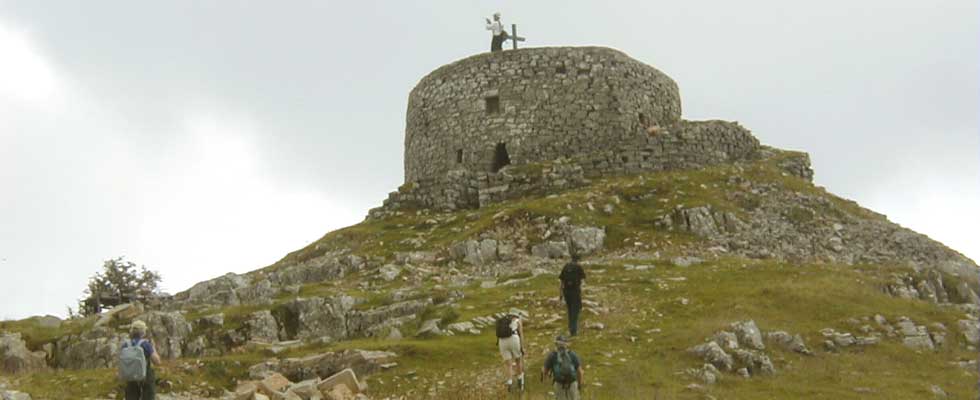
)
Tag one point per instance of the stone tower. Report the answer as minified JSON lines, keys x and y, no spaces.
{"x":532,"y":105}
{"x":496,"y":126}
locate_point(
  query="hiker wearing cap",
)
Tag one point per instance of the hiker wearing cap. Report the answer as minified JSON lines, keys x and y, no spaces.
{"x":565,"y":369}
{"x":570,"y":290}
{"x":509,"y":334}
{"x":136,"y":388}
{"x":499,"y":34}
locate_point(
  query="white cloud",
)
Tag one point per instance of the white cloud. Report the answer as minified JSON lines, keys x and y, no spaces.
{"x":25,"y":75}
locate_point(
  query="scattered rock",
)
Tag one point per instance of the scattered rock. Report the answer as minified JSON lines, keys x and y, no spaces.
{"x":551,"y":250}
{"x":685,"y":261}
{"x":971,"y":331}
{"x":429,"y":328}
{"x":389,"y":272}
{"x":789,"y":342}
{"x":748,"y":334}
{"x":711,"y":353}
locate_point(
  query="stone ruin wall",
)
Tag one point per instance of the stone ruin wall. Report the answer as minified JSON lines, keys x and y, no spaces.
{"x":541,"y":104}
{"x":562,"y":115}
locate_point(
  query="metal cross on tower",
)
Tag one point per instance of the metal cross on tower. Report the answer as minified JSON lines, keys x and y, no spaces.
{"x":513,"y":37}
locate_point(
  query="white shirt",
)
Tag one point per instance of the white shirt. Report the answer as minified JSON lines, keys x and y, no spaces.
{"x":496,"y":27}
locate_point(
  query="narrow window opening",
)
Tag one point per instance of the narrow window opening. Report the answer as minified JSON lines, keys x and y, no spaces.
{"x":493,"y":104}
{"x":625,"y":159}
{"x":643,"y":120}
{"x":500,"y":157}
{"x":459,"y":156}
{"x":560,"y":70}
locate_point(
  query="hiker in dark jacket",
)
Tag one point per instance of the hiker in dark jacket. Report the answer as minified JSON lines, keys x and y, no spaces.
{"x":570,"y":290}
{"x":145,"y":390}
{"x":565,"y":369}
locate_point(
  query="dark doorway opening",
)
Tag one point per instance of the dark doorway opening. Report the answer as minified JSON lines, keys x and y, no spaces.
{"x":459,"y":156}
{"x":500,"y":157}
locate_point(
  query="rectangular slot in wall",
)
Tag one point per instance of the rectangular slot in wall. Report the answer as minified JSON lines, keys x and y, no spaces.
{"x":493,"y":104}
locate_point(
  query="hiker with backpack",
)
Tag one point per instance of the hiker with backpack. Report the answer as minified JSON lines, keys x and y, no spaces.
{"x":135,"y":360}
{"x":509,"y":334}
{"x":570,"y":290}
{"x":565,"y":369}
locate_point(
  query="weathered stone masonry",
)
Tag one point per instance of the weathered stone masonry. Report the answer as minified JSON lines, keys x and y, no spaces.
{"x":575,"y":112}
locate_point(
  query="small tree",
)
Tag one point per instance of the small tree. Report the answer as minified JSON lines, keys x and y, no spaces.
{"x":119,"y":282}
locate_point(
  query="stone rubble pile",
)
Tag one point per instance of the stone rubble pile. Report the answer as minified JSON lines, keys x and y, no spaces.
{"x":740,"y":349}
{"x":343,"y":385}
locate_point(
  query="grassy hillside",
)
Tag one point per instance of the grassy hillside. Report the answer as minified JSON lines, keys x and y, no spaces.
{"x":651,"y":316}
{"x":641,"y":351}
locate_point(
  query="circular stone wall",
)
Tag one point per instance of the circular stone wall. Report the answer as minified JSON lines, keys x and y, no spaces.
{"x":532,"y":105}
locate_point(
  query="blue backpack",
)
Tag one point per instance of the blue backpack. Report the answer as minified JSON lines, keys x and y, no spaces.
{"x":132,"y":362}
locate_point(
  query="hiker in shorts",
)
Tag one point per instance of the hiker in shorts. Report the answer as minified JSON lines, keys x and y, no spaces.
{"x":565,"y":369}
{"x":145,"y":390}
{"x":570,"y":290}
{"x":509,"y":334}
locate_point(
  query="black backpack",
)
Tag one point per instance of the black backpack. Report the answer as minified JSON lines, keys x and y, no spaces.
{"x":503,"y":327}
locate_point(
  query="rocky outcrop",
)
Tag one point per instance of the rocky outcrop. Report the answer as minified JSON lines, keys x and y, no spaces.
{"x":261,"y":326}
{"x":476,"y":252}
{"x":97,"y":348}
{"x":362,"y":362}
{"x":380,"y":320}
{"x":933,"y":286}
{"x":741,"y":350}
{"x":586,"y":240}
{"x":15,"y":358}
{"x":552,"y":249}
{"x":170,"y":332}
{"x":314,"y":317}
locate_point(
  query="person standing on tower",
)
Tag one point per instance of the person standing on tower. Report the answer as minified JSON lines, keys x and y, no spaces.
{"x":499,"y":34}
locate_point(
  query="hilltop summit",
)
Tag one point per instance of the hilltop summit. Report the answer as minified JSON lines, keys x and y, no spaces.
{"x":594,"y":110}
{"x":711,"y":258}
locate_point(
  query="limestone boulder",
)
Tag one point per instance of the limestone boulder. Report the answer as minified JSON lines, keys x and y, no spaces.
{"x":788,"y":342}
{"x":96,"y":348}
{"x":170,"y":332}
{"x":121,"y":312}
{"x":362,"y":362}
{"x":218,"y":291}
{"x":970,"y":330}
{"x":552,"y":249}
{"x":476,"y":252}
{"x":314,"y":317}
{"x":748,"y":334}
{"x":13,"y":395}
{"x":586,"y":240}
{"x":389,"y":272}
{"x":16,"y":358}
{"x":259,"y":292}
{"x":713,"y":354}
{"x":756,"y":362}
{"x":261,"y":326}
{"x":382,"y":319}
{"x":305,"y":390}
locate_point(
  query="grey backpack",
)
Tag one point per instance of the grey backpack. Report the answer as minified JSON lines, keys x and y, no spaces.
{"x":132,"y":362}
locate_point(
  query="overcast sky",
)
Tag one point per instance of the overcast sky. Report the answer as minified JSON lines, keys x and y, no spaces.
{"x":201,"y":137}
